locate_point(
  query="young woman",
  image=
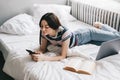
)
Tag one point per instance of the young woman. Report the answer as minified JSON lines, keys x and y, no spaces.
{"x":53,"y":33}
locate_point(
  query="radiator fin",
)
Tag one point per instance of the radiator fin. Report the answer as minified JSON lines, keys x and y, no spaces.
{"x":89,"y":14}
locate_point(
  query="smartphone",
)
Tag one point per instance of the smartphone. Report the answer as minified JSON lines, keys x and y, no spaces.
{"x":30,"y":52}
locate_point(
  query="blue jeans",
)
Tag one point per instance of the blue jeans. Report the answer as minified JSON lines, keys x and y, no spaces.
{"x":104,"y":34}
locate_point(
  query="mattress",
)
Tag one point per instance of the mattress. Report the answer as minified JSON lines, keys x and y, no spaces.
{"x":18,"y":63}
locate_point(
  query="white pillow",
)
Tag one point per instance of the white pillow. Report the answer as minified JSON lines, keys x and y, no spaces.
{"x":61,"y":11}
{"x":21,"y":24}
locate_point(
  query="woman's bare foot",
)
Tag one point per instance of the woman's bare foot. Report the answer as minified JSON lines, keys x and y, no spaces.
{"x":97,"y":25}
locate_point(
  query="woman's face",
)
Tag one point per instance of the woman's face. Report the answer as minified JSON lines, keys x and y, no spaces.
{"x":46,"y":29}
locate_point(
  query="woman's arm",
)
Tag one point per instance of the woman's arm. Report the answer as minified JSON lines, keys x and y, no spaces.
{"x":43,"y":46}
{"x":65,"y":47}
{"x":41,"y":50}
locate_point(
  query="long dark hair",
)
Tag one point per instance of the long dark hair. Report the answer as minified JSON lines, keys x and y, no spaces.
{"x":52,"y":21}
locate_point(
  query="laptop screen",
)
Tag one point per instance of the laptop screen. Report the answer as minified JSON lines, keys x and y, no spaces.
{"x":109,"y":48}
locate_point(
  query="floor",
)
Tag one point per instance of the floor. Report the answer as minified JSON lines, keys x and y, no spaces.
{"x":3,"y":76}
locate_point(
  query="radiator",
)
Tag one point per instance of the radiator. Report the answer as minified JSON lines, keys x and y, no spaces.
{"x":89,"y":14}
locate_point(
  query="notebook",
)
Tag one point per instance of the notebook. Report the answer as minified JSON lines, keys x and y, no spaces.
{"x":109,"y":48}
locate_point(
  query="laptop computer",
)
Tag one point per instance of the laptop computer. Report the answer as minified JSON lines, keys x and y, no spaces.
{"x":109,"y":48}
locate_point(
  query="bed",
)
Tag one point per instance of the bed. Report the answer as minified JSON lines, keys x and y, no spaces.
{"x":15,"y":37}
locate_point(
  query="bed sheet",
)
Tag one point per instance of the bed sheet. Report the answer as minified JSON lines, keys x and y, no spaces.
{"x":76,"y":24}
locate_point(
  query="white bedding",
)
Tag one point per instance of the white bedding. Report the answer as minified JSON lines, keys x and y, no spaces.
{"x":19,"y":65}
{"x":12,"y":43}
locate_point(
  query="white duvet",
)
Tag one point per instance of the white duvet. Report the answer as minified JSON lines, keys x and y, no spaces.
{"x":21,"y":67}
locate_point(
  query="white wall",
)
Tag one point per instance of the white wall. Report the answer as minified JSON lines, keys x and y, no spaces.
{"x":9,"y":8}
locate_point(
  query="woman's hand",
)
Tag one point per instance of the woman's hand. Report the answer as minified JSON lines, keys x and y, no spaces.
{"x":38,"y":52}
{"x":37,"y":57}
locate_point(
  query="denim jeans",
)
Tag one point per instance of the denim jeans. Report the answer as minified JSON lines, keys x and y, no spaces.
{"x":104,"y":34}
